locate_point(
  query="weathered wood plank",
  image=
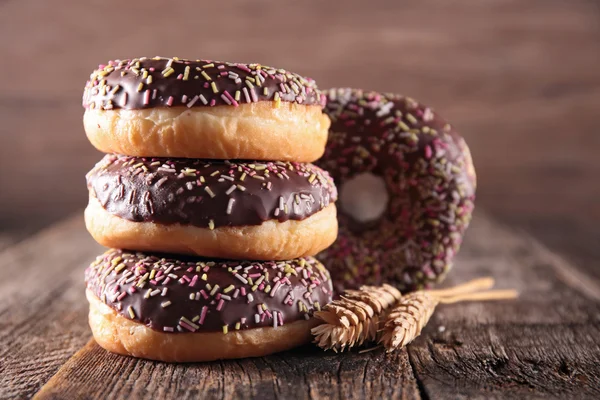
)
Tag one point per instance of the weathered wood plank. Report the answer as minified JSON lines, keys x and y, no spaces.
{"x":544,"y":344}
{"x":42,"y":306}
{"x":304,"y":373}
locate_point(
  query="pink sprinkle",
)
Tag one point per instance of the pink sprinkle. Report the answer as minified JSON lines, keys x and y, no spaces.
{"x":170,"y":101}
{"x":180,"y":76}
{"x":220,"y":305}
{"x":203,"y":293}
{"x":280,"y":319}
{"x":243,"y":291}
{"x":186,"y":326}
{"x":428,"y":152}
{"x":147,"y":97}
{"x":193,"y":282}
{"x":121,"y":296}
{"x":213,"y":102}
{"x":203,"y":315}
{"x":244,"y":68}
{"x":168,"y":329}
{"x":254,"y":275}
{"x":260,"y":309}
{"x":235,"y":103}
{"x":236,"y":293}
{"x":152,"y":281}
{"x":253,"y":95}
{"x":275,"y":288}
{"x":132,"y":290}
{"x":269,"y":313}
{"x":262,"y":318}
{"x":186,"y":278}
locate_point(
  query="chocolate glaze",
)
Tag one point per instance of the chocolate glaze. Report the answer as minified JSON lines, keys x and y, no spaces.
{"x":169,"y":82}
{"x":429,"y":175}
{"x":158,"y":291}
{"x":209,"y":193}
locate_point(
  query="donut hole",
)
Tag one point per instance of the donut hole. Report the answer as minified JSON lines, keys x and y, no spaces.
{"x":364,"y":198}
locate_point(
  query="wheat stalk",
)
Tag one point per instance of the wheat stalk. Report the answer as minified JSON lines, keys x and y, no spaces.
{"x":354,"y":318}
{"x":412,"y":312}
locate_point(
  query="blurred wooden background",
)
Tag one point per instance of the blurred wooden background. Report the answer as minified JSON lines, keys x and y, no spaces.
{"x":520,"y":79}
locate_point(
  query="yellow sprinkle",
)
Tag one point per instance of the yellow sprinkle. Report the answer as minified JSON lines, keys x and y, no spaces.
{"x":228,"y":289}
{"x":215,"y":173}
{"x":225,"y":329}
{"x":243,"y":176}
{"x":186,"y":73}
{"x":254,"y":288}
{"x":264,"y":306}
{"x":312,"y":178}
{"x":214,"y":290}
{"x":214,"y":87}
{"x":205,"y":75}
{"x":237,"y":95}
{"x":119,"y":268}
{"x":208,"y":190}
{"x":237,"y":326}
{"x":211,"y":224}
{"x":277,"y":100}
{"x":268,"y":289}
{"x":168,"y":72}
{"x":317,"y":305}
{"x":209,"y":65}
{"x":131,"y":313}
{"x":140,"y":87}
{"x":145,"y":74}
{"x":204,"y":277}
{"x":152,"y":273}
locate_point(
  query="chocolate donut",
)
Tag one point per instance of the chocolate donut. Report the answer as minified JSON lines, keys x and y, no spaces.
{"x":170,"y":107}
{"x":227,"y":209}
{"x":407,"y":187}
{"x":195,"y":309}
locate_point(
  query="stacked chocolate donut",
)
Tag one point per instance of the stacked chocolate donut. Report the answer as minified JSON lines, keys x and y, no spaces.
{"x":208,"y":186}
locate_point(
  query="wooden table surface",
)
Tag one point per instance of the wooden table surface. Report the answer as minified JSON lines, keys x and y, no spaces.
{"x":520,"y":79}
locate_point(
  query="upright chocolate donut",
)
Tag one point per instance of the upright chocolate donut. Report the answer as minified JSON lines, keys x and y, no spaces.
{"x":407,"y":186}
{"x":171,"y":107}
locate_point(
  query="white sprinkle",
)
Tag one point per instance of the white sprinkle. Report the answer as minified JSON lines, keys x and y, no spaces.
{"x":274,"y":319}
{"x":250,"y":297}
{"x":241,"y":278}
{"x":230,"y":206}
{"x":257,"y":318}
{"x":231,"y":189}
{"x":203,"y":99}
{"x":193,"y":101}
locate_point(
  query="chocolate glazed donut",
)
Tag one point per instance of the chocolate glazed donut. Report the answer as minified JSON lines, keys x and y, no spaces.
{"x":407,"y":187}
{"x":225,"y":209}
{"x":193,"y":309}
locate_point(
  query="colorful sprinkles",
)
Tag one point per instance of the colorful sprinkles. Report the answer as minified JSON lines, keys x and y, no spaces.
{"x":428,"y":173}
{"x":170,"y":82}
{"x":209,"y":193}
{"x":225,"y":295}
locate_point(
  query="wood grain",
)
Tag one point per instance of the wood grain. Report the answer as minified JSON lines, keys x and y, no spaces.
{"x":545,"y":344}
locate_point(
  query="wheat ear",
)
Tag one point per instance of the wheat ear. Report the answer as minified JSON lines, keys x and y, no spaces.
{"x":412,"y":312}
{"x":354,"y":318}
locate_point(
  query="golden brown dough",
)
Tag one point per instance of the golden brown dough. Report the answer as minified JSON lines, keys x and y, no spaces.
{"x":259,"y":131}
{"x":120,"y":335}
{"x":271,"y":240}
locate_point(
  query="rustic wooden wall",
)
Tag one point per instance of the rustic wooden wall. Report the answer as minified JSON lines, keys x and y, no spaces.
{"x":519,"y":78}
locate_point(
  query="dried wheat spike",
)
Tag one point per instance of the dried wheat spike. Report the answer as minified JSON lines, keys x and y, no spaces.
{"x":354,"y":318}
{"x":407,"y":319}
